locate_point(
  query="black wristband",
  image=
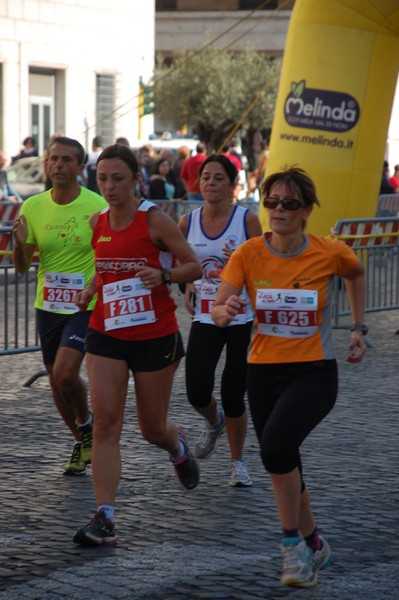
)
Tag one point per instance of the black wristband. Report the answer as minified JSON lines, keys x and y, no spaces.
{"x":166,"y":276}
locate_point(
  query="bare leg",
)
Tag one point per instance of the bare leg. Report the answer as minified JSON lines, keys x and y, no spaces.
{"x":287,"y":492}
{"x":236,"y":433}
{"x":69,"y":393}
{"x":108,"y":389}
{"x":153,"y":392}
{"x":307,"y":523}
{"x":152,"y":399}
{"x":297,"y":566}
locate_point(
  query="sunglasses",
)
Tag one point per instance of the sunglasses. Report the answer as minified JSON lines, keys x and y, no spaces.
{"x":286,"y":203}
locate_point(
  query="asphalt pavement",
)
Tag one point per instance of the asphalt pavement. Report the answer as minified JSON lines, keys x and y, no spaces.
{"x":215,"y":542}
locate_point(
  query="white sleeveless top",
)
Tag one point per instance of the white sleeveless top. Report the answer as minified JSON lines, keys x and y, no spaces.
{"x":210,"y":254}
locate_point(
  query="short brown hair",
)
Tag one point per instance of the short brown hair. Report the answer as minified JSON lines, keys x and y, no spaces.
{"x":296,"y":180}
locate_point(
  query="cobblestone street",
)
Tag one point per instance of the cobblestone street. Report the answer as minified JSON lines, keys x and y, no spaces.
{"x":216,"y":542}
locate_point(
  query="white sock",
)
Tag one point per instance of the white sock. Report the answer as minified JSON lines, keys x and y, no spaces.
{"x":180,"y":454}
{"x":109,"y":511}
{"x":88,"y":422}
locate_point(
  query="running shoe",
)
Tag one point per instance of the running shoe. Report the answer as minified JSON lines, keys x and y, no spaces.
{"x":239,"y":474}
{"x":208,"y":442}
{"x":99,"y":532}
{"x":297,"y":566}
{"x":323,"y":557}
{"x":86,"y":437}
{"x":75,"y":465}
{"x":187,"y":470}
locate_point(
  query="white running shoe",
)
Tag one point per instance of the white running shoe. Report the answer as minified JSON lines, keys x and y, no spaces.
{"x":208,"y":442}
{"x":323,"y":557}
{"x":297,"y":566}
{"x":239,"y":474}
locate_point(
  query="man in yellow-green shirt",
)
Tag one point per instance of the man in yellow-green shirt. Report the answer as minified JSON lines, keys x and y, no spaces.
{"x":55,"y":223}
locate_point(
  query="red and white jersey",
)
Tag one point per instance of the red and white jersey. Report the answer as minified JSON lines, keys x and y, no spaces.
{"x":124,"y":308}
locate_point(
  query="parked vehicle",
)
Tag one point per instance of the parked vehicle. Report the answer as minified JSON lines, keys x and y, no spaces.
{"x":26,"y":176}
{"x":166,"y":142}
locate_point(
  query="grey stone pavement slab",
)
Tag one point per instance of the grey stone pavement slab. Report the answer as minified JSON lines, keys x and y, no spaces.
{"x":215,"y":542}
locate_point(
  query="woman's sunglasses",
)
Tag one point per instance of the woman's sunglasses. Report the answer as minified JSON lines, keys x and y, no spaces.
{"x":286,"y":203}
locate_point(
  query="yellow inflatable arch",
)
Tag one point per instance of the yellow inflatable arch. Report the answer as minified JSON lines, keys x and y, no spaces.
{"x":334,"y":102}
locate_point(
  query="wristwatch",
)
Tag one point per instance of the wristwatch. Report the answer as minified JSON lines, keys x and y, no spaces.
{"x":166,"y":276}
{"x":360,"y":327}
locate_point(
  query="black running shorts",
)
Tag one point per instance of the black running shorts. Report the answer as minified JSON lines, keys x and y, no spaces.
{"x":140,"y":355}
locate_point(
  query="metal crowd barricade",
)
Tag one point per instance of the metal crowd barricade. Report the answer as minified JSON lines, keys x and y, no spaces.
{"x":8,"y":212}
{"x":18,"y":333}
{"x":17,"y":319}
{"x":376,"y":242}
{"x":178,"y":207}
{"x":388,"y":205}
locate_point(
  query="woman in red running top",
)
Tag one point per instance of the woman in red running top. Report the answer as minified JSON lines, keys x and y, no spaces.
{"x":133,"y":328}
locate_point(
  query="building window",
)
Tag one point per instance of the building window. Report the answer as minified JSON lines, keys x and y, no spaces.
{"x":42,"y":86}
{"x":105,"y":106}
{"x":204,"y":5}
{"x":165,"y":5}
{"x":251,"y":4}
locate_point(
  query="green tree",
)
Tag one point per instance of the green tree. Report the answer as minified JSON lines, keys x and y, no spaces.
{"x":216,"y":92}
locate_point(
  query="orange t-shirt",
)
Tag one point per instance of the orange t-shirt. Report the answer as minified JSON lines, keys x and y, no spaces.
{"x":291,"y":295}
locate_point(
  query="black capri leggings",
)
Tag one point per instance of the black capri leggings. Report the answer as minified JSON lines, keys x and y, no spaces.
{"x":204,"y":348}
{"x":287,"y":401}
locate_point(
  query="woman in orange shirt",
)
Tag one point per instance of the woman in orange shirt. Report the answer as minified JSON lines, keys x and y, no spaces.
{"x":292,"y":379}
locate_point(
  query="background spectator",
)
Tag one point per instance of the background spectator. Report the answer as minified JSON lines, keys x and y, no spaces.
{"x":122,"y":141}
{"x":190,"y":173}
{"x":172,"y":177}
{"x":394,"y":180}
{"x":160,"y":187}
{"x":91,"y":163}
{"x":251,"y":143}
{"x":234,"y":158}
{"x":144,"y":160}
{"x":183,"y":153}
{"x":28,"y":149}
{"x":235,"y":150}
{"x":385,"y":187}
{"x":262,"y":160}
{"x":7,"y":192}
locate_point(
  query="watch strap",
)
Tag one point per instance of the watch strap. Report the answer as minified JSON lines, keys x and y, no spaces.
{"x":360,"y":327}
{"x":166,"y":276}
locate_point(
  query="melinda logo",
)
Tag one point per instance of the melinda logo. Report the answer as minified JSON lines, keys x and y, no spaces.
{"x":320,"y":109}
